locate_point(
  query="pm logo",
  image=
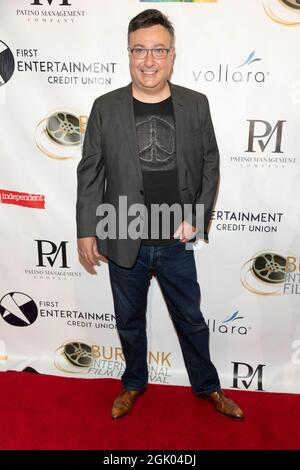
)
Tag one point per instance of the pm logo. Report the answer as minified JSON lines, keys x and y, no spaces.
{"x":64,"y":3}
{"x":262,"y":133}
{"x":49,"y":253}
{"x":244,"y":374}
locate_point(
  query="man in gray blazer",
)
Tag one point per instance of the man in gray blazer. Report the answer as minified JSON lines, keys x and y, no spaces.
{"x":150,"y":144}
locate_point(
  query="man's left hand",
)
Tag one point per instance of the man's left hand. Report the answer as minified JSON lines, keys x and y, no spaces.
{"x":185,"y":232}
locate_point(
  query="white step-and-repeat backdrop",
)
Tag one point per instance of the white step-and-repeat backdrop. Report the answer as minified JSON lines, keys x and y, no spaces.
{"x":56,"y":57}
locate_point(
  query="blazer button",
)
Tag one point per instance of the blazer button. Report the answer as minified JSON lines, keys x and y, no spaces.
{"x":142,"y":192}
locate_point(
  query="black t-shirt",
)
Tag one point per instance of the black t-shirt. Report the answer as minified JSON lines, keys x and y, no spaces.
{"x":155,"y":129}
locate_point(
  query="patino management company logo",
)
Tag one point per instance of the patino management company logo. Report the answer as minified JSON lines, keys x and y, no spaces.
{"x":264,"y":146}
{"x":249,"y":69}
{"x":61,"y":72}
{"x":82,"y":357}
{"x":7,"y":63}
{"x":51,"y":261}
{"x":284,"y":12}
{"x":60,"y":134}
{"x":51,"y":11}
{"x":271,"y":273}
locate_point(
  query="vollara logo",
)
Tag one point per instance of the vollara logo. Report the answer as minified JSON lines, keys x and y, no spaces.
{"x":271,"y":273}
{"x":229,"y":325}
{"x":7,"y":63}
{"x":284,"y":12}
{"x":59,"y":134}
{"x":18,"y":309}
{"x":244,"y":72}
{"x":78,"y":357}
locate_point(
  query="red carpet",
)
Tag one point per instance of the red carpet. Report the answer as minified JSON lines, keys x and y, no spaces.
{"x":45,"y":412}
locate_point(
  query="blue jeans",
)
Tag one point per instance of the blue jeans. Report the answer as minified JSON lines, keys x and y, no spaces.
{"x":175,"y":270}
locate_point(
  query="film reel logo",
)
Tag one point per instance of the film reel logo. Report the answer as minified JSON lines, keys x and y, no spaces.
{"x":60,"y":134}
{"x":264,"y":274}
{"x":75,"y":357}
{"x":285,"y":12}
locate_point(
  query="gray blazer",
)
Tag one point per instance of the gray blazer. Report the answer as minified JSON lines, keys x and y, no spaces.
{"x":110,"y":164}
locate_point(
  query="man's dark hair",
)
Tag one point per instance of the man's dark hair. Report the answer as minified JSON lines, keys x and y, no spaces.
{"x":148,"y":18}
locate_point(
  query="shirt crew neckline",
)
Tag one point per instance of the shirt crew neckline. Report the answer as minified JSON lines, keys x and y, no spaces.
{"x":157,"y":103}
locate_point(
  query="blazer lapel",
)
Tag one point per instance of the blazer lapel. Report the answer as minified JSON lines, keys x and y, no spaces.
{"x":179,"y":116}
{"x":127,"y":117}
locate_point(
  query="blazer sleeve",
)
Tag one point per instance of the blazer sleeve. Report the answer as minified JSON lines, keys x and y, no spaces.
{"x":210,"y":175}
{"x":90,"y":176}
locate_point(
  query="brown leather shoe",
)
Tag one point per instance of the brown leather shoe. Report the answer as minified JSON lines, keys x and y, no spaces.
{"x":223,"y":404}
{"x":124,"y":402}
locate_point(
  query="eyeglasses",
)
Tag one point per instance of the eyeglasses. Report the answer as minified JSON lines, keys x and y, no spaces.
{"x":141,"y":53}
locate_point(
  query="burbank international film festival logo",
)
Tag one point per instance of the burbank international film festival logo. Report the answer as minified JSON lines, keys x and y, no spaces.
{"x":271,"y":273}
{"x":82,"y":357}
